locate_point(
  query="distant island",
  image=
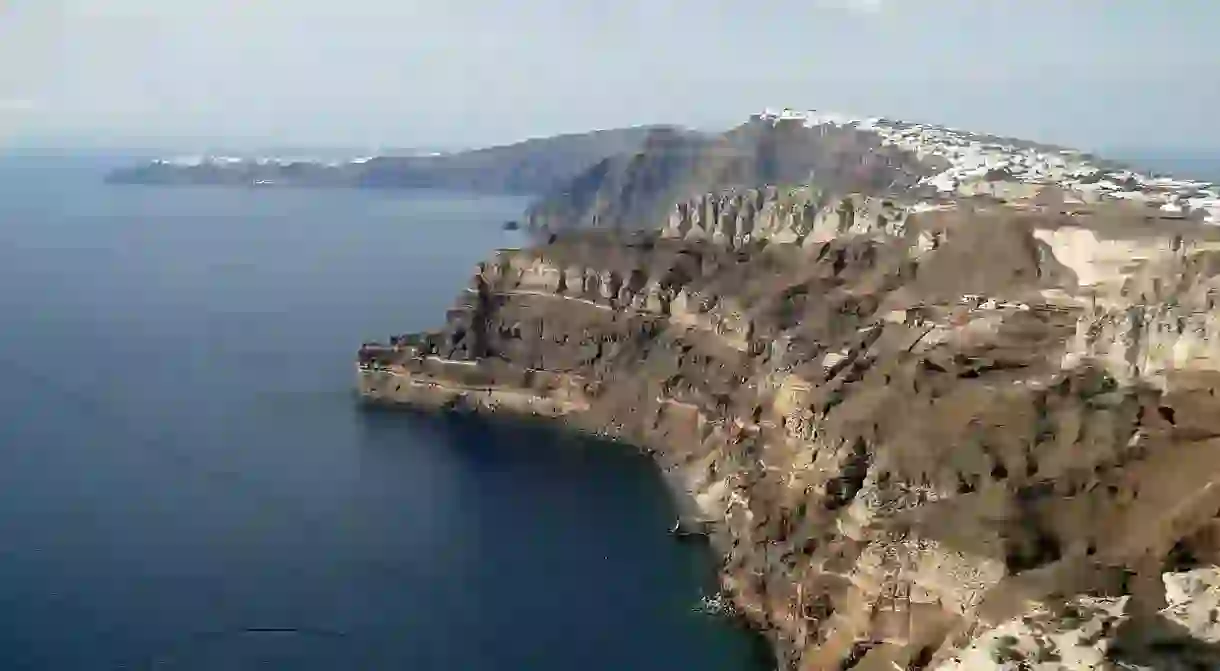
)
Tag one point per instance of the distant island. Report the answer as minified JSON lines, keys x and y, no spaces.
{"x":531,"y":167}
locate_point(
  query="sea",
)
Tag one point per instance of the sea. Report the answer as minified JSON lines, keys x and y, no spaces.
{"x":187,"y":481}
{"x":1203,"y":164}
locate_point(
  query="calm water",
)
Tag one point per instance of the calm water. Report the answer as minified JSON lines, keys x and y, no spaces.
{"x":187,"y":483}
{"x":1203,"y":165}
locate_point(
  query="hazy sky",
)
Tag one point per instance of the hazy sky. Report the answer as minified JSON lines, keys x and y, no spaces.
{"x":1093,"y":73}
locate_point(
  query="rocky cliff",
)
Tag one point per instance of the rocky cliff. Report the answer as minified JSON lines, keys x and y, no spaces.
{"x":958,"y":435}
{"x":635,"y":190}
{"x":803,"y":215}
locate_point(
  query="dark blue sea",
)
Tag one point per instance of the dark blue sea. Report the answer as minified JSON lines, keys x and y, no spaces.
{"x":187,"y":482}
{"x":1202,"y":165}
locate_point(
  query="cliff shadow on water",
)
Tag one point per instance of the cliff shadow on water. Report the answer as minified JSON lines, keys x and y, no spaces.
{"x":572,"y":516}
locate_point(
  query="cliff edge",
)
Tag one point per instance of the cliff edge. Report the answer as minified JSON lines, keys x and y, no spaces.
{"x":951,"y":430}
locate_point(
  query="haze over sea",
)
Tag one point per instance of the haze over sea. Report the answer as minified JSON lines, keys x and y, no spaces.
{"x":186,"y":481}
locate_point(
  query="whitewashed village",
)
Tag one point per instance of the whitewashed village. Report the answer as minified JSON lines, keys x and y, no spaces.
{"x":983,"y":165}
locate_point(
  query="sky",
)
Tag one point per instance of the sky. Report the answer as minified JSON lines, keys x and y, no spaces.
{"x":405,"y":73}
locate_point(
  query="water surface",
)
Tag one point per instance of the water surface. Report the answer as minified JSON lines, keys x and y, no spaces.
{"x":187,"y":483}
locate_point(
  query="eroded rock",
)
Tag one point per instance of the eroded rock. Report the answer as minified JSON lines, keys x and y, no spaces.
{"x":911,"y":439}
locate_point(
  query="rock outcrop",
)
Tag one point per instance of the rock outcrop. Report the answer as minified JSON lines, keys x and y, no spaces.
{"x":803,"y":215}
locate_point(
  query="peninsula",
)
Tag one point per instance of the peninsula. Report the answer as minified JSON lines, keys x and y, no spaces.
{"x":943,"y":400}
{"x":529,"y":167}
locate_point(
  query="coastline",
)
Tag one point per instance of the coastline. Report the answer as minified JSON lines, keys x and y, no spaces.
{"x":430,"y":396}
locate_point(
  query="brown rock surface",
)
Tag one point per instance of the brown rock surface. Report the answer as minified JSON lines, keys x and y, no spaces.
{"x":911,"y":439}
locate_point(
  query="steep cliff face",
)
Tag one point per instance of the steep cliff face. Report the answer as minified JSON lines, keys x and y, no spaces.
{"x":636,"y":190}
{"x":913,"y":434}
{"x":802,"y":215}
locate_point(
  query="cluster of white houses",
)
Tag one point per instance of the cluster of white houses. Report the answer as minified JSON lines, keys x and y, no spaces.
{"x":232,"y":161}
{"x":980,"y":164}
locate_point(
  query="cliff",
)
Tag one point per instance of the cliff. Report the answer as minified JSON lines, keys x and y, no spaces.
{"x":530,"y":167}
{"x":968,"y":433}
{"x":635,"y":190}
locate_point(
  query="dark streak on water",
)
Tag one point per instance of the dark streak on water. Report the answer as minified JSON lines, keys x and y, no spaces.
{"x":186,"y":482}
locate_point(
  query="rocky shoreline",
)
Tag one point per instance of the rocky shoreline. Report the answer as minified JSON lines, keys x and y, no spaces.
{"x":916,"y":429}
